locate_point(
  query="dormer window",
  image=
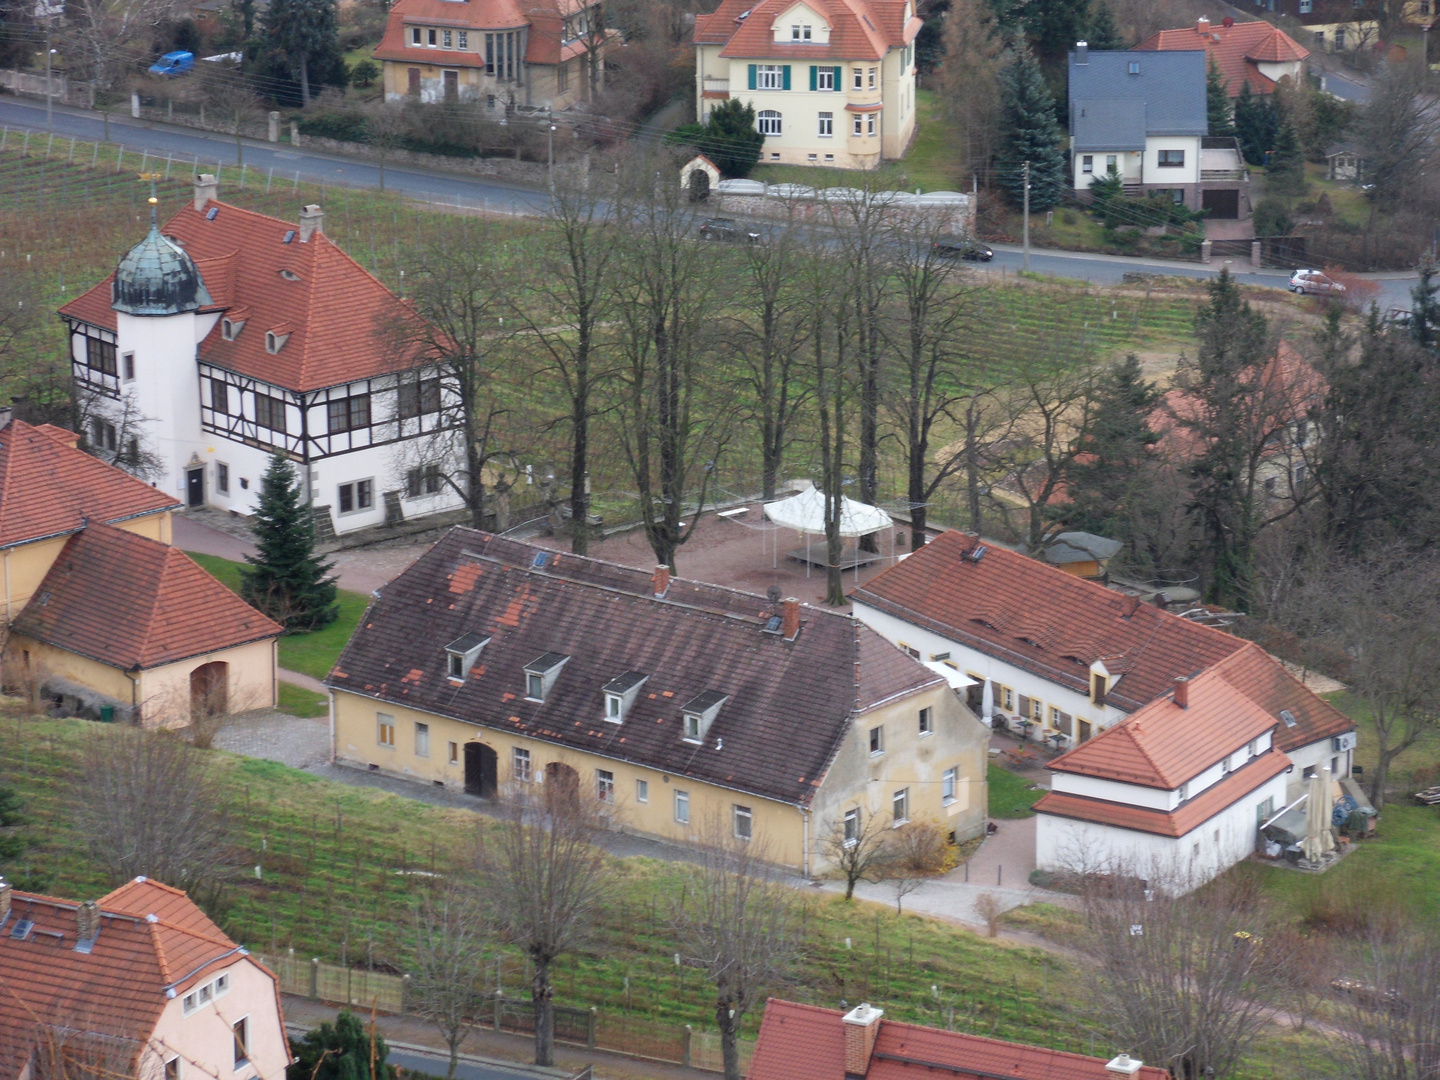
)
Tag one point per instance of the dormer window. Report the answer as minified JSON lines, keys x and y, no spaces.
{"x":461,"y":654}
{"x":230,"y":328}
{"x":289,"y":275}
{"x":274,"y":342}
{"x":541,"y":673}
{"x":699,"y":713}
{"x":620,"y":695}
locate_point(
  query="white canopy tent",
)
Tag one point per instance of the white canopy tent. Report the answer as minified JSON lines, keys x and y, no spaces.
{"x":805,"y":513}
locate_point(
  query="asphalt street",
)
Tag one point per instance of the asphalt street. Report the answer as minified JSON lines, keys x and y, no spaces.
{"x":317,"y":166}
{"x":436,"y":1064}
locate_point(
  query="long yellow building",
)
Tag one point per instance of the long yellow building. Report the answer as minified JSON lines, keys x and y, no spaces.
{"x":492,"y":663}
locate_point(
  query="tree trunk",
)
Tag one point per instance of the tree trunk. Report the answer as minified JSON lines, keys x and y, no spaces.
{"x":869,"y":434}
{"x":729,"y":1027}
{"x":304,"y":80}
{"x":580,"y":449}
{"x":475,"y":475}
{"x":542,"y":994}
{"x":454,"y":1044}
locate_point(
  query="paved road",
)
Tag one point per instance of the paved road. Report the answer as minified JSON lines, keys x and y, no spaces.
{"x":317,"y":166}
{"x":437,"y":1064}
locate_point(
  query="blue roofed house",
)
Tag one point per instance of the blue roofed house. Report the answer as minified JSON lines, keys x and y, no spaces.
{"x":1142,"y":114}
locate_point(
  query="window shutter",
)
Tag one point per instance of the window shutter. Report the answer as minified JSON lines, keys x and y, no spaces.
{"x":752,"y":76}
{"x":785,"y":77}
{"x":839,"y":75}
{"x":814,"y":76}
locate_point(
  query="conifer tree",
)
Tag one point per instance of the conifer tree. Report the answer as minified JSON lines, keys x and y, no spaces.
{"x":1285,"y":164}
{"x":1425,"y":306}
{"x":1217,"y":102}
{"x":1029,"y":133}
{"x":1255,"y":124}
{"x":1104,"y":35}
{"x":286,"y":579}
{"x":1117,"y":463}
{"x":341,"y":1051}
{"x":305,"y":33}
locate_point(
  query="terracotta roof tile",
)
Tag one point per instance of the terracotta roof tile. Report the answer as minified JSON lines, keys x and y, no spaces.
{"x":859,"y":29}
{"x":49,"y":488}
{"x":132,"y":602}
{"x":1237,"y":53}
{"x":544,"y":45}
{"x":1175,"y":823}
{"x":340,"y":312}
{"x":800,"y":695}
{"x":805,"y":1042}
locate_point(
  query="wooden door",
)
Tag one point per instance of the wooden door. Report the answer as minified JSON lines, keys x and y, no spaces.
{"x":209,"y":691}
{"x":482,"y":770}
{"x":414,"y":88}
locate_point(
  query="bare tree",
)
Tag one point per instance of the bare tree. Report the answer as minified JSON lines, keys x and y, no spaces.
{"x":1187,"y":982}
{"x":149,"y":804}
{"x":855,"y":845}
{"x":735,"y":920}
{"x":1387,"y":1002}
{"x":1397,"y":130}
{"x":85,"y":1047}
{"x":450,"y":939}
{"x":968,"y":78}
{"x":386,"y":125}
{"x":118,"y":437}
{"x":110,"y":35}
{"x":544,"y":880}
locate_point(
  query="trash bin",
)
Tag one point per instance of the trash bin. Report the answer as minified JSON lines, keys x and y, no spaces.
{"x":107,"y":714}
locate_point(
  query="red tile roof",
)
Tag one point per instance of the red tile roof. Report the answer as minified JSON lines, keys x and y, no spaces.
{"x":859,"y":29}
{"x":543,"y":46}
{"x":1054,"y":625}
{"x":806,"y":1042}
{"x":1185,"y":818}
{"x":341,"y":315}
{"x":152,"y":940}
{"x":50,"y":488}
{"x":132,"y":602}
{"x":789,"y":702}
{"x":1237,"y":50}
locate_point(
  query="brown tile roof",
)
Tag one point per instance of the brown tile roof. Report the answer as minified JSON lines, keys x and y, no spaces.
{"x":859,"y":29}
{"x":1186,"y":817}
{"x":1055,"y":625}
{"x":340,"y":313}
{"x":543,"y":46}
{"x":1236,"y":50}
{"x":790,"y":702}
{"x":132,"y":602}
{"x":119,"y":987}
{"x":49,"y":488}
{"x":806,"y":1042}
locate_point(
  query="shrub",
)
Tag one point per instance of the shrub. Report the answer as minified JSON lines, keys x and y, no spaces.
{"x":364,"y":73}
{"x":347,"y":126}
{"x":1272,"y":218}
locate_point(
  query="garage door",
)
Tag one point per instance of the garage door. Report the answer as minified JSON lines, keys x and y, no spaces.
{"x":1221,"y":204}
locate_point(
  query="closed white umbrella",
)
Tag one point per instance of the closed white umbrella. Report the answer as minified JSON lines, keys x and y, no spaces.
{"x":1318,"y":840}
{"x":987,"y":702}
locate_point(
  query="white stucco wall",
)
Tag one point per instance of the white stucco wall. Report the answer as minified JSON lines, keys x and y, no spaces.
{"x":1318,"y":755}
{"x":204,"y":1040}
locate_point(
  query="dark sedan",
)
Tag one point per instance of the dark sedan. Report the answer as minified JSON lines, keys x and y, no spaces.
{"x":964,"y":249}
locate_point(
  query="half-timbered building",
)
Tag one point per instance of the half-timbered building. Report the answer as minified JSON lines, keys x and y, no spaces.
{"x":225,"y":336}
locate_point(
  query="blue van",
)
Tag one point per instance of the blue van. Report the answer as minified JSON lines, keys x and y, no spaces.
{"x":173,"y":63}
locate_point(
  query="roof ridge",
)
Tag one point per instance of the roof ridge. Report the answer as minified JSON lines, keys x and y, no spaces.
{"x":159,"y":947}
{"x":151,"y":882}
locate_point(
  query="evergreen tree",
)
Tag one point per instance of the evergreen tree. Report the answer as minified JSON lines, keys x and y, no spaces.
{"x":1103,"y":35}
{"x":305,"y":34}
{"x":1116,"y":465}
{"x":341,"y":1051}
{"x":1053,"y":27}
{"x":1255,"y":124}
{"x":286,"y":579}
{"x":731,"y":139}
{"x":1285,"y":164}
{"x":1217,"y":102}
{"x":12,"y":845}
{"x":1029,"y":133}
{"x":1425,"y":306}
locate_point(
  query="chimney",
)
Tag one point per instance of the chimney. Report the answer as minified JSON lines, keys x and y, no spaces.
{"x":4,"y":900}
{"x":1202,"y":25}
{"x":1123,"y":1065}
{"x":1082,"y":52}
{"x":1182,"y":692}
{"x":87,"y":921}
{"x":862,"y":1024}
{"x":789,"y":618}
{"x":660,"y":581}
{"x":312,"y":220}
{"x":206,"y":188}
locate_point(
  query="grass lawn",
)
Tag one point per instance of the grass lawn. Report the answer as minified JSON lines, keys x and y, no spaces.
{"x":1011,"y":796}
{"x":336,"y":884}
{"x":297,"y":701}
{"x":1346,"y":200}
{"x":310,"y":654}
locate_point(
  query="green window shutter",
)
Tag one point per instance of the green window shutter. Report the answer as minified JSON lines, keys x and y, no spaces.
{"x":839,"y":79}
{"x":814,"y":76}
{"x":785,"y":77}
{"x":752,"y":76}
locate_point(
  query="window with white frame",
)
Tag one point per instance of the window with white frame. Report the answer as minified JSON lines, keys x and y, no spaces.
{"x":947,"y":786}
{"x":870,"y":79}
{"x":430,"y":38}
{"x":692,"y":727}
{"x":347,"y":414}
{"x":520,"y":765}
{"x":769,"y":76}
{"x":1087,"y":163}
{"x":768,"y":122}
{"x":682,"y":807}
{"x":534,"y":686}
{"x":222,"y":478}
{"x":827,"y":125}
{"x":877,"y":740}
{"x":858,"y":78}
{"x":642,"y":791}
{"x":415,"y":35}
{"x":825,"y":78}
{"x":1172,"y":159}
{"x":858,"y":125}
{"x":852,"y":826}
{"x":127,"y":366}
{"x":744,"y":822}
{"x":172,"y":1069}
{"x":205,"y":993}
{"x":900,"y":807}
{"x":241,"y":1030}
{"x":447,"y":39}
{"x":464,"y":36}
{"x":386,"y":729}
{"x":356,"y":496}
{"x":604,"y":785}
{"x":422,"y":740}
{"x":452,"y":753}
{"x":926,"y":722}
{"x":870,"y":124}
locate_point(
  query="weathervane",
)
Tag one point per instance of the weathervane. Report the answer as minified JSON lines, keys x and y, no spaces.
{"x":153,"y":200}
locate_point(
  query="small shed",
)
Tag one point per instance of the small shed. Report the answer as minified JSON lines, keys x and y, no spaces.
{"x":699,"y":176}
{"x":1342,"y":162}
{"x":1080,"y":553}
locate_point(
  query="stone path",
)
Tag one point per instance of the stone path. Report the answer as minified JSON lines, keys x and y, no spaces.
{"x":276,"y":736}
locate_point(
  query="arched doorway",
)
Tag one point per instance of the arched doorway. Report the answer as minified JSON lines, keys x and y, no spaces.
{"x":699,"y":185}
{"x":562,"y":785}
{"x":209,"y":691}
{"x":482,"y":770}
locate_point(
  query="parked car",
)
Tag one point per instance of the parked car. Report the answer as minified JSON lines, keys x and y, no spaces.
{"x":1314,"y":282}
{"x":724,"y":228}
{"x":173,"y":64}
{"x":964,"y":249}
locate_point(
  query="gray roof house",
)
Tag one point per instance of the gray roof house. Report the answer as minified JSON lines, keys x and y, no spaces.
{"x":1142,"y":115}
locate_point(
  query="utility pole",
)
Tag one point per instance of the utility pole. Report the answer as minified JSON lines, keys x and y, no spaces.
{"x":550,"y":149}
{"x":1027,"y":215}
{"x":49,"y":90}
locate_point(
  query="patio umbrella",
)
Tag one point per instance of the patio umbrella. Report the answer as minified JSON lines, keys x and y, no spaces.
{"x":987,"y":702}
{"x":1318,"y":840}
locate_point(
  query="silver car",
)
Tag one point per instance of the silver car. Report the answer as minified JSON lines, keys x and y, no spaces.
{"x":1315,"y":283}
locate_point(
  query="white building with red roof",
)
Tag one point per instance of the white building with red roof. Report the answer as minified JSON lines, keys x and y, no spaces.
{"x":832,"y":81}
{"x":1256,"y":53}
{"x":226,"y":336}
{"x":138,"y":983}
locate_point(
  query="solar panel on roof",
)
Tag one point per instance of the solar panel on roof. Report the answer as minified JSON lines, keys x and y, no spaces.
{"x":210,"y":214}
{"x":22,"y":929}
{"x":1288,"y":717}
{"x":541,"y":560}
{"x":288,"y":237}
